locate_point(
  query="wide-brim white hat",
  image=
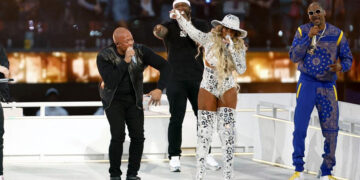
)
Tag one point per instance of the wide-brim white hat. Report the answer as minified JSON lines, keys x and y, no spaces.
{"x":232,"y":22}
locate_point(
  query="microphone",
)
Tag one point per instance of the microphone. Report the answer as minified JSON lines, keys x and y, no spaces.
{"x":133,"y":59}
{"x":228,"y":38}
{"x":313,"y":41}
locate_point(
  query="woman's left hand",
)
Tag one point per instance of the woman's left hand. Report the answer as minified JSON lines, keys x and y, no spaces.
{"x":228,"y":41}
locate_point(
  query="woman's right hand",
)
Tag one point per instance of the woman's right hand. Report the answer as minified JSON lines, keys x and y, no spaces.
{"x":228,"y":41}
{"x":172,"y":14}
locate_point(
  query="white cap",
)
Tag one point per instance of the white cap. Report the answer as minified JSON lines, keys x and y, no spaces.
{"x":181,"y":1}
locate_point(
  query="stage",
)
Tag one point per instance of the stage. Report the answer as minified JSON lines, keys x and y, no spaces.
{"x":245,"y":169}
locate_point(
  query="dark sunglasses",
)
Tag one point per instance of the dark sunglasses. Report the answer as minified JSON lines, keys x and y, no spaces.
{"x":312,"y":13}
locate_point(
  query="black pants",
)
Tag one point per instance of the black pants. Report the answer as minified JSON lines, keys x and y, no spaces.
{"x":1,"y":139}
{"x":124,"y":111}
{"x":177,"y":93}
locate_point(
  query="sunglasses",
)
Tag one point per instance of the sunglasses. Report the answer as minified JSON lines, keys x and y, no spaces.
{"x":312,"y":13}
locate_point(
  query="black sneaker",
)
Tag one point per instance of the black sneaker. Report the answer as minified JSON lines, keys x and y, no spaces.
{"x":115,"y":178}
{"x":133,"y":178}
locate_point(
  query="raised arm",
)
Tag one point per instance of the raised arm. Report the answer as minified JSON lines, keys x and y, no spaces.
{"x":160,"y":31}
{"x":195,"y":34}
{"x":238,"y":57}
{"x":110,"y":73}
{"x":299,"y":46}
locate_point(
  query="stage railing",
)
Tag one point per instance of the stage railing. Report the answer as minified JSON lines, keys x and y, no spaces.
{"x":346,"y":124}
{"x":42,"y":105}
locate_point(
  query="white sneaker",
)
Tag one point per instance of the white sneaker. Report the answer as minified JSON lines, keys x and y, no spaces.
{"x":174,"y":164}
{"x":211,"y":163}
{"x":329,"y":177}
{"x":1,"y":177}
{"x":297,"y":176}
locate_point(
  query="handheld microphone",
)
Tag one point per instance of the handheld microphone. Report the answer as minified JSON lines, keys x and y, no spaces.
{"x":313,"y":41}
{"x":133,"y":59}
{"x":228,"y":38}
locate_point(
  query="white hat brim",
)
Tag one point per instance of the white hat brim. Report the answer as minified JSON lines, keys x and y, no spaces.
{"x":217,"y":22}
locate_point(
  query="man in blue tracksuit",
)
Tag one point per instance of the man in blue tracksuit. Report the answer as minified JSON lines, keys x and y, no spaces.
{"x":316,"y":48}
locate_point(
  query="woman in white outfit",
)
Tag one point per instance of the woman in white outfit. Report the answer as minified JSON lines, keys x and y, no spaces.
{"x":224,"y":53}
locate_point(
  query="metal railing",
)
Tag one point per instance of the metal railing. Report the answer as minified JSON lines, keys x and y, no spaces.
{"x":345,"y":124}
{"x":42,"y":105}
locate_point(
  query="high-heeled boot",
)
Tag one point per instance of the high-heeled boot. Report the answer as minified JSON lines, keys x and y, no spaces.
{"x":226,"y":131}
{"x":205,"y":125}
